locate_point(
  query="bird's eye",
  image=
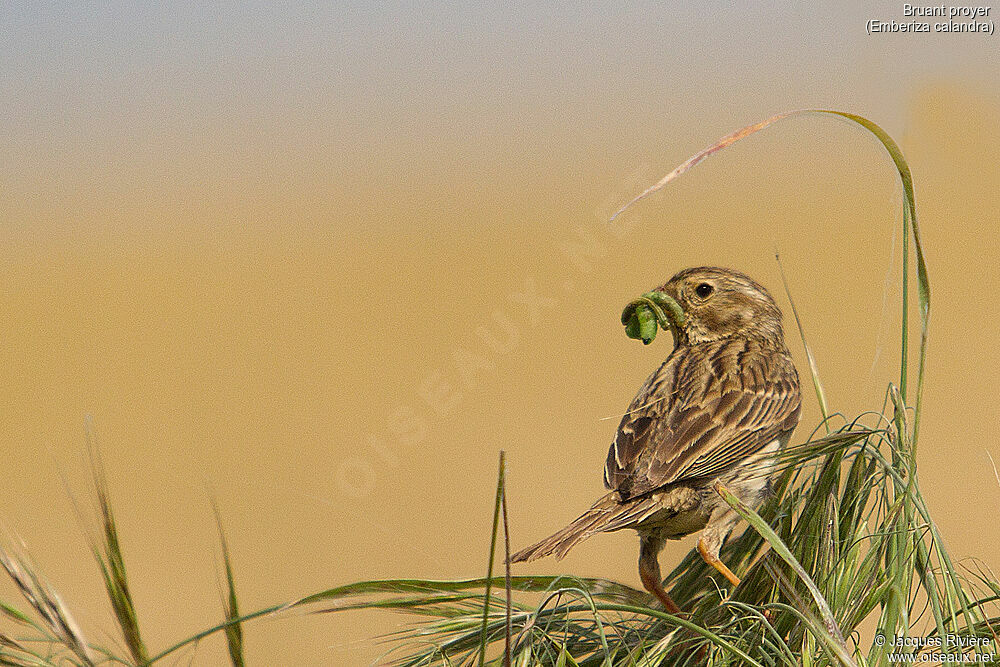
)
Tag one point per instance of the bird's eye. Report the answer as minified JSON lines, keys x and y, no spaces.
{"x":704,"y":290}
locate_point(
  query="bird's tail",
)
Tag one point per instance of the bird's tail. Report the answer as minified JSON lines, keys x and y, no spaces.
{"x":607,"y":514}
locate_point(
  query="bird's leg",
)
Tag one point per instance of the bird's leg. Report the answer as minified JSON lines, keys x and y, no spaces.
{"x":649,"y":572}
{"x":709,"y":550}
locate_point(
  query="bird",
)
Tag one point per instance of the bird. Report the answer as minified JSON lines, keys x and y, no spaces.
{"x":718,"y":410}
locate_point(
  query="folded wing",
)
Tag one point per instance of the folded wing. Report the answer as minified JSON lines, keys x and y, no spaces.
{"x":703,"y":411}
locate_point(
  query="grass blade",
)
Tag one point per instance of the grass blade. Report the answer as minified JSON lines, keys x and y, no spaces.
{"x":813,"y":370}
{"x":112,"y":564}
{"x":506,"y":572}
{"x":230,"y":604}
{"x":493,"y":545}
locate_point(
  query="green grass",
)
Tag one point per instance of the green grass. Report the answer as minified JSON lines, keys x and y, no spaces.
{"x":845,"y":547}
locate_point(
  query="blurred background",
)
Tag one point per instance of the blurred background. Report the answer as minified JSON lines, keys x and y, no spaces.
{"x":321,"y":263}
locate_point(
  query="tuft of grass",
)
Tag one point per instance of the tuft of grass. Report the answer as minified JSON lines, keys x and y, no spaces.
{"x":57,"y":637}
{"x":846,"y":542}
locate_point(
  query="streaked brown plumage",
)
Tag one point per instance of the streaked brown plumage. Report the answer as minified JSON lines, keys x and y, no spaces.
{"x":719,"y":408}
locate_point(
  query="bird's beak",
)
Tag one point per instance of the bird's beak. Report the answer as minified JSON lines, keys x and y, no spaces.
{"x":671,"y":309}
{"x":642,"y":316}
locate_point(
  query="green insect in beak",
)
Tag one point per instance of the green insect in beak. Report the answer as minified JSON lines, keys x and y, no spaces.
{"x":650,"y":311}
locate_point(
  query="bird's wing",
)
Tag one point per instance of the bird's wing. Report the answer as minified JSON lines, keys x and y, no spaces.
{"x":705,"y":409}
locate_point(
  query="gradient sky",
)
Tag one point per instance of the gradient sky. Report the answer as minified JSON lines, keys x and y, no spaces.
{"x":116,"y":112}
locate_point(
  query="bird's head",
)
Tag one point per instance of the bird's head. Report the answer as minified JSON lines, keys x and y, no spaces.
{"x":721,"y":303}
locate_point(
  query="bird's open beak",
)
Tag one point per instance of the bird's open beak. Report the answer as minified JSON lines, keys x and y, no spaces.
{"x":650,"y":311}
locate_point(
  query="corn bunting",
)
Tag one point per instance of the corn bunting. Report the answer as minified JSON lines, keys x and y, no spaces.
{"x":719,"y":408}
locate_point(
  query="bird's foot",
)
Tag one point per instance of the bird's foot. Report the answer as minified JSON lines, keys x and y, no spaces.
{"x":713,"y":559}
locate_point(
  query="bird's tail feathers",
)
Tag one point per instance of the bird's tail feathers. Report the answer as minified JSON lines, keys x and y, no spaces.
{"x":607,"y":514}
